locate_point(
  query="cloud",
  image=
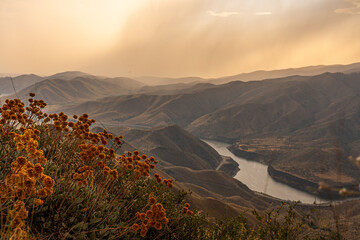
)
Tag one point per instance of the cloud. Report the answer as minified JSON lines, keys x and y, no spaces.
{"x":183,"y":38}
{"x":222,"y":14}
{"x":355,"y":9}
{"x":263,"y":13}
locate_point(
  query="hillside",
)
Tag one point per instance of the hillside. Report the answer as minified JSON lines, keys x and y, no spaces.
{"x":192,"y":163}
{"x":302,"y":71}
{"x":79,"y":89}
{"x":173,"y":145}
{"x":54,"y":88}
{"x":20,"y":82}
{"x":256,"y":75}
{"x":304,"y":116}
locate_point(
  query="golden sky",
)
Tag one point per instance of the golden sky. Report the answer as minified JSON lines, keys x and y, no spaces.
{"x":207,"y":38}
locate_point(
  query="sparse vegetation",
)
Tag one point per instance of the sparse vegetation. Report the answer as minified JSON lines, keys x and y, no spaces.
{"x":58,"y":180}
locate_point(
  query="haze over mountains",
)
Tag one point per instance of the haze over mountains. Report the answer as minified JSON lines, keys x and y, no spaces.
{"x":257,"y":75}
{"x":303,"y":122}
{"x":26,"y":80}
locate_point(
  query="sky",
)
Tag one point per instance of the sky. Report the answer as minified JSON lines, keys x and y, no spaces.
{"x":175,"y":38}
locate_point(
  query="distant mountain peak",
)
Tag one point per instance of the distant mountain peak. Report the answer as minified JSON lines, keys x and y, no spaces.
{"x":68,"y":75}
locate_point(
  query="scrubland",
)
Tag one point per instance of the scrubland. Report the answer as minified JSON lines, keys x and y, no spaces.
{"x":59,"y":180}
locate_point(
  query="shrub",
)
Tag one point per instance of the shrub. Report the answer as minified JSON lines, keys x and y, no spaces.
{"x":58,"y":180}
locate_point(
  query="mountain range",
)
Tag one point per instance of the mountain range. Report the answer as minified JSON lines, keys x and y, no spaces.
{"x":304,"y":126}
{"x":305,"y":120}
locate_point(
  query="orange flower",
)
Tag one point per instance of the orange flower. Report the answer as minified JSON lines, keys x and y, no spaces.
{"x":49,"y":182}
{"x":149,"y":214}
{"x":158,"y":226}
{"x":21,"y":160}
{"x":165,"y":220}
{"x":38,"y":169}
{"x":152,"y":200}
{"x":135,"y":227}
{"x":38,"y":202}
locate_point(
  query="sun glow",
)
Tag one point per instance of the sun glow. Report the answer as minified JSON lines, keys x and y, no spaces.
{"x":42,"y":30}
{"x":207,"y":38}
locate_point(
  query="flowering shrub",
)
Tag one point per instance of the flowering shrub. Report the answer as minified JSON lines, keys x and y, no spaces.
{"x":71,"y":181}
{"x":59,"y":180}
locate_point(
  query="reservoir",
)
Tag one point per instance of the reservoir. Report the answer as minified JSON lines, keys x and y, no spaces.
{"x":256,"y":177}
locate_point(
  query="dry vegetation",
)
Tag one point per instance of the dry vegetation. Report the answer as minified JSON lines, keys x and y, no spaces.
{"x":58,"y":180}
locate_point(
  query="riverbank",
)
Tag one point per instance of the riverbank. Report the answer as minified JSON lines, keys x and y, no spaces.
{"x":327,"y":193}
{"x":255,"y":175}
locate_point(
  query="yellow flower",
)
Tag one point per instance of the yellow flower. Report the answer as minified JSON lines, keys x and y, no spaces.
{"x":38,"y":169}
{"x":42,"y":193}
{"x":49,"y":182}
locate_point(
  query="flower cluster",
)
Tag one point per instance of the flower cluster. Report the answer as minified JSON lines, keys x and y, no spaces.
{"x":155,"y":217}
{"x":141,"y":165}
{"x":32,"y":141}
{"x":167,"y":182}
{"x":29,"y":141}
{"x":18,"y":214}
{"x":26,"y":179}
{"x":13,"y":112}
{"x":21,"y":183}
{"x":95,"y":156}
{"x":187,"y":210}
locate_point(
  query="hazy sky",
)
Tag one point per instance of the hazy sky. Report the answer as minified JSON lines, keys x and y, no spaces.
{"x":207,"y":38}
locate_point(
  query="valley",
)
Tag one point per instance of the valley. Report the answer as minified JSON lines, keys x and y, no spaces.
{"x":203,"y":120}
{"x":303,"y":127}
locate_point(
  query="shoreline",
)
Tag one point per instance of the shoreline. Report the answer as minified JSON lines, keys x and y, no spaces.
{"x":297,"y":182}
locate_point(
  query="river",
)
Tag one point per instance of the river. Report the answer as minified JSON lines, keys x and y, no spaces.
{"x":256,"y":177}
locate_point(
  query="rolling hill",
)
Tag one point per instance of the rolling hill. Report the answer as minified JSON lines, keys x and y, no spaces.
{"x":20,"y":82}
{"x":78,"y":89}
{"x":304,"y":116}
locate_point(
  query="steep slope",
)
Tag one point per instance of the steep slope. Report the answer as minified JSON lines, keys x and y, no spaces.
{"x":173,"y":145}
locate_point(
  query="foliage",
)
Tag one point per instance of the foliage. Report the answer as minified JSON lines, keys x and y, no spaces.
{"x":58,"y":180}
